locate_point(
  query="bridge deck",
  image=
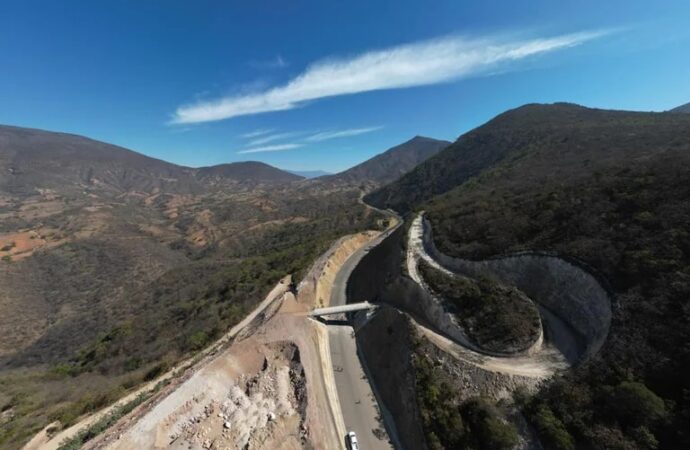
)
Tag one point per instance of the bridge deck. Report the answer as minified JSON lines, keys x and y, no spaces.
{"x":341,"y":309}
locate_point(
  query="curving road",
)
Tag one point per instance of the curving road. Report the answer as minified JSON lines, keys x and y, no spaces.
{"x":543,"y":363}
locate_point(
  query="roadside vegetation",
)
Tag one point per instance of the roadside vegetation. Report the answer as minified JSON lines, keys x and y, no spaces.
{"x":610,"y":190}
{"x":449,"y":423}
{"x":630,"y":225}
{"x":108,"y":420}
{"x":161,"y":320}
{"x":495,"y":317}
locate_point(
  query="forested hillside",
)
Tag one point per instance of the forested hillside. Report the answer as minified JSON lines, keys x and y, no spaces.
{"x":611,"y":190}
{"x":391,"y":164}
{"x":114,"y":266}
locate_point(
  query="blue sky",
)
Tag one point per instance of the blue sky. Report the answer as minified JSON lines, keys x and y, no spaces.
{"x":324,"y":84}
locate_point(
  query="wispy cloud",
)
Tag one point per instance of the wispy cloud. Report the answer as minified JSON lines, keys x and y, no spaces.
{"x":275,"y":137}
{"x":416,"y":64}
{"x":256,"y":133}
{"x":326,"y":135}
{"x":270,"y":148}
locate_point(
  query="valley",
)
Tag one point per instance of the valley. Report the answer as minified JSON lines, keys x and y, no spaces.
{"x":328,"y":225}
{"x":517,"y":275}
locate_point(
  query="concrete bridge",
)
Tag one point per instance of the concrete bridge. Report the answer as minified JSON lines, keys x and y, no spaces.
{"x":318,"y":312}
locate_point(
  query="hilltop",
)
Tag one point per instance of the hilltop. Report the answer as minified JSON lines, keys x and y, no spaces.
{"x":391,"y":164}
{"x":70,"y":164}
{"x":681,"y":109}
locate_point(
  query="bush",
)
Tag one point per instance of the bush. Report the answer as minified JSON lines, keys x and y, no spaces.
{"x":496,"y":317}
{"x":156,"y":371}
{"x":442,"y":422}
{"x":197,"y":340}
{"x":635,"y":405}
{"x":551,"y":430}
{"x":488,"y":427}
{"x":450,"y":424}
{"x":102,"y":424}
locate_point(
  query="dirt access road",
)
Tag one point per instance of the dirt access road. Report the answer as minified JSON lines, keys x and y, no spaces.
{"x":541,"y":364}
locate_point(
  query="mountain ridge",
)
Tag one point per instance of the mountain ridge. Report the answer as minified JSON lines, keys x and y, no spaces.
{"x":609,"y":190}
{"x":392,"y":163}
{"x":31,"y":158}
{"x":681,"y":109}
{"x":506,"y":135}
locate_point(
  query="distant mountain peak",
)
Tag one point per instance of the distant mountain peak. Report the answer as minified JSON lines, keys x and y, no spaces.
{"x":33,"y":159}
{"x":393,"y":163}
{"x":681,"y":109}
{"x":248,"y":171}
{"x":310,"y":173}
{"x":537,"y":131}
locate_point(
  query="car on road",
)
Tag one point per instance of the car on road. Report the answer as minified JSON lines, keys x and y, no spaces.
{"x":352,"y":440}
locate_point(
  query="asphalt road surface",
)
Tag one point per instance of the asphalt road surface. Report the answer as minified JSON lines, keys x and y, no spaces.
{"x":357,"y":401}
{"x":358,"y":404}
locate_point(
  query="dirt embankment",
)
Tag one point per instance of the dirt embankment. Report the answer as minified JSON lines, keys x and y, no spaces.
{"x":253,"y":400}
{"x":264,"y":390}
{"x":346,"y":247}
{"x":176,"y":376}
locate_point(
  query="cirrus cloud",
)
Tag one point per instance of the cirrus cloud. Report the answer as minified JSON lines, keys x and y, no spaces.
{"x":270,"y":148}
{"x":421,"y":63}
{"x":326,"y":135}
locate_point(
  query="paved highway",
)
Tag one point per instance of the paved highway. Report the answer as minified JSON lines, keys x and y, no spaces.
{"x":358,"y":404}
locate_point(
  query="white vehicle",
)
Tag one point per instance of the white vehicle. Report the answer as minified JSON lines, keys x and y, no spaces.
{"x":352,"y":440}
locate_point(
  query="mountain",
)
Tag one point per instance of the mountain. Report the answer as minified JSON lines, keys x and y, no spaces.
{"x":682,"y":109}
{"x":609,"y":192}
{"x":69,"y":164}
{"x":248,"y":171}
{"x":392,"y":163}
{"x":114,"y":266}
{"x":310,"y":173}
{"x":533,"y":134}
